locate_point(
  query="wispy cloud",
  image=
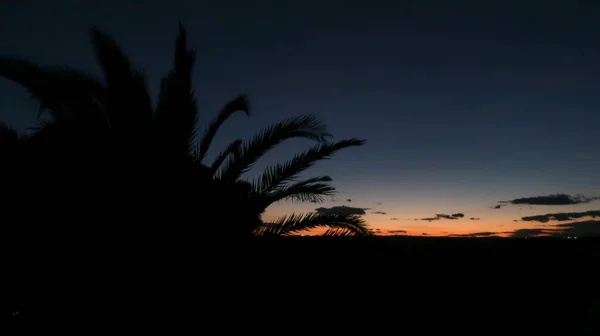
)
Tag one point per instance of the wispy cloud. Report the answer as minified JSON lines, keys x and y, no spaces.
{"x":554,"y":199}
{"x":396,"y":231}
{"x":561,"y":216}
{"x":589,"y":228}
{"x":342,"y":209}
{"x":522,"y":233}
{"x":379,"y":213}
{"x":475,"y":234}
{"x":444,"y":216}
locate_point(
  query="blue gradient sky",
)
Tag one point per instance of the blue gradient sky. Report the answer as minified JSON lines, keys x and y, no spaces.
{"x":463,"y":103}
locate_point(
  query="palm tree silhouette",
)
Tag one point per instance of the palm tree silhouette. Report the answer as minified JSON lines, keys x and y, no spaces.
{"x":111,"y":183}
{"x":279,"y":182}
{"x":109,"y":131}
{"x":113,"y":156}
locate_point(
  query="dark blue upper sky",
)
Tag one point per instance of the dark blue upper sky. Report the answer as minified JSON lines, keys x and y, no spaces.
{"x":463,"y":103}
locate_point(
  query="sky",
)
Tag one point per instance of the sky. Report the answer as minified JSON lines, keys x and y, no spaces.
{"x":463,"y":103}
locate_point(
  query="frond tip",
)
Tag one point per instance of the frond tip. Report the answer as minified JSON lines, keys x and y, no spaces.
{"x":310,"y":190}
{"x":337,"y":233}
{"x":239,"y":104}
{"x":276,"y":176}
{"x":354,"y":225}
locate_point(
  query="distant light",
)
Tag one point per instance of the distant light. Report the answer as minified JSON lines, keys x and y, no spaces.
{"x":302,"y":235}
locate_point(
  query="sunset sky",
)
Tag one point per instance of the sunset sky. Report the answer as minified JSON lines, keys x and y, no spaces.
{"x":464,"y":103}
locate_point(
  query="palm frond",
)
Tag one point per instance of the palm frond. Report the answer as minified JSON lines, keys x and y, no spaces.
{"x":309,"y":127}
{"x":337,"y":232}
{"x":310,"y":190}
{"x":177,"y":111}
{"x":57,"y":90}
{"x":300,"y":222}
{"x":239,"y":104}
{"x":275,"y":176}
{"x":232,"y":149}
{"x":129,"y":105}
{"x":114,"y":63}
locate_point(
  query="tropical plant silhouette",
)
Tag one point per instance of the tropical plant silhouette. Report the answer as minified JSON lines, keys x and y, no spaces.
{"x":280,"y":182}
{"x":109,"y":157}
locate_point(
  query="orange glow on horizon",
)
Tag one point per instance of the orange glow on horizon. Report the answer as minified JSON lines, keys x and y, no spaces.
{"x":410,"y":221}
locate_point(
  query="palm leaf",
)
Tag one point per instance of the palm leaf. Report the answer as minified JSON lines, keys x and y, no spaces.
{"x":129,"y":105}
{"x":177,"y":112}
{"x":300,"y":222}
{"x":57,"y":90}
{"x":232,"y":149}
{"x":308,"y":127}
{"x":239,"y":104}
{"x":275,"y":176}
{"x":310,"y":190}
{"x":337,"y":232}
{"x":74,"y":99}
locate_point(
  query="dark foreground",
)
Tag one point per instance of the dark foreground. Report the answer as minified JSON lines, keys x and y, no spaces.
{"x":376,"y":285}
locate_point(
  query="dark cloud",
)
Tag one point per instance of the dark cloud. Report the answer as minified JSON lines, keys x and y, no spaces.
{"x":474,"y":218}
{"x":475,"y":234}
{"x":379,"y":213}
{"x":396,"y":231}
{"x":444,"y":216}
{"x":554,"y":199}
{"x":589,"y":228}
{"x":522,"y":233}
{"x":562,"y":216}
{"x":342,"y":209}
{"x":394,"y":218}
{"x":425,"y":234}
{"x":348,"y":200}
{"x":497,"y":206}
{"x":485,"y":233}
